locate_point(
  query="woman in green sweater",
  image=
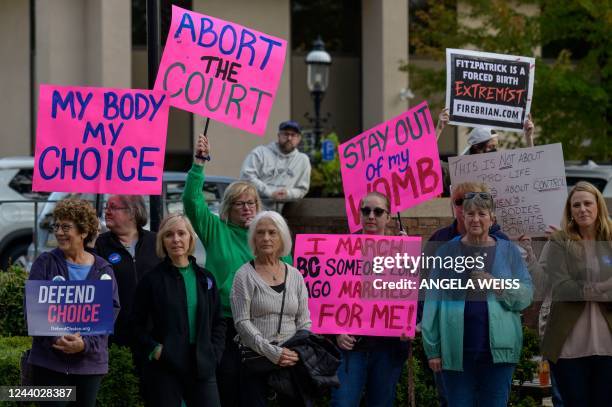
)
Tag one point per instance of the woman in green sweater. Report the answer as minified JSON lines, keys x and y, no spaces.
{"x":225,"y":240}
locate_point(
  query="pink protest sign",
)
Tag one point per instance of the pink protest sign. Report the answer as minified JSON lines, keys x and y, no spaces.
{"x":221,"y":70}
{"x":100,"y":140}
{"x":352,"y":286}
{"x":398,"y":158}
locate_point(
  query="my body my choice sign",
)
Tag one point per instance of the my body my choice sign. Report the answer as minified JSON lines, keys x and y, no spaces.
{"x":56,"y":308}
{"x":486,"y":89}
{"x":345,"y":295}
{"x":221,"y":70}
{"x":100,"y":140}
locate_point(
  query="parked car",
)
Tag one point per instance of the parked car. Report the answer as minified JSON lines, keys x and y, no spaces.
{"x":172,"y":190}
{"x":16,"y":209}
{"x":598,"y":175}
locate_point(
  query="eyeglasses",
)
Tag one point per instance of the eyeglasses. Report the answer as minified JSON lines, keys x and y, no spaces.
{"x":112,"y":208}
{"x":64,"y":226}
{"x":378,"y":212}
{"x":471,"y":195}
{"x":242,"y":204}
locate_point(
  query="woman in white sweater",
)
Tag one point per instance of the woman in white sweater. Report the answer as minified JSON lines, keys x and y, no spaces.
{"x":261,"y":288}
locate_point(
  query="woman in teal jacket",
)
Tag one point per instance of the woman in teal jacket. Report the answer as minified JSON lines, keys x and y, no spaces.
{"x":473,"y":334}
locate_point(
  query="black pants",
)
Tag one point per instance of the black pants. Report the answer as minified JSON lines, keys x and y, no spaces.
{"x":87,"y":386}
{"x":165,"y":388}
{"x":584,"y":382}
{"x":228,"y":372}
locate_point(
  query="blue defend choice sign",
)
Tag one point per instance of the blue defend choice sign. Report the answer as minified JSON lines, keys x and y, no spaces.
{"x":56,"y":308}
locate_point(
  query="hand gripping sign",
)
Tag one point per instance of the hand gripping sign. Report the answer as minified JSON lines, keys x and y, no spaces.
{"x":486,"y":89}
{"x":398,"y":158}
{"x":221,"y":70}
{"x":100,"y":140}
{"x":349,"y":289}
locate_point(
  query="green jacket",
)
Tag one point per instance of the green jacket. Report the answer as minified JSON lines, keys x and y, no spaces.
{"x":226,"y":244}
{"x":566,"y":270}
{"x":442,"y":323}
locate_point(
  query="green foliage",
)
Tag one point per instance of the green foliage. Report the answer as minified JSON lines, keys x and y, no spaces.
{"x":12,"y":282}
{"x":325,"y":177}
{"x":573,"y":82}
{"x":120,"y":386}
{"x":526,"y":368}
{"x":11,"y":349}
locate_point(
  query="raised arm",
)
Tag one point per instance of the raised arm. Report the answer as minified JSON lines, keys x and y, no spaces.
{"x":194,"y":204}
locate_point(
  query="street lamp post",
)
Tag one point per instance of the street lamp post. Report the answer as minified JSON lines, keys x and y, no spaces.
{"x":317,"y":79}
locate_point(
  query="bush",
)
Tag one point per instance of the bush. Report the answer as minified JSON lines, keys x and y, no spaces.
{"x":325,"y":178}
{"x":12,"y":282}
{"x":119,"y":387}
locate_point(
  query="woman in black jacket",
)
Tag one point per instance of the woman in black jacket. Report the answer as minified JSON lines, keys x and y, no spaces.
{"x":178,"y":322}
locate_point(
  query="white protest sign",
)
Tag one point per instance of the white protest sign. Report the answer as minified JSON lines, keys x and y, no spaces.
{"x":528,"y":185}
{"x":487,"y":89}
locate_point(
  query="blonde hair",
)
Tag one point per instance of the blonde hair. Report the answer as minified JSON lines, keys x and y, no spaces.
{"x":166,"y":224}
{"x":603,"y":225}
{"x":377,"y":194}
{"x":281,"y":226}
{"x":233,"y":191}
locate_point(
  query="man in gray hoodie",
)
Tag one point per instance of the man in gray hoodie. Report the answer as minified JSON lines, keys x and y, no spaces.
{"x":278,"y":170}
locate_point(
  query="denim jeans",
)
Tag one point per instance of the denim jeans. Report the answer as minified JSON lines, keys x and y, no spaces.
{"x":376,"y":371}
{"x":482,"y":383}
{"x":584,"y":382}
{"x":556,"y":394}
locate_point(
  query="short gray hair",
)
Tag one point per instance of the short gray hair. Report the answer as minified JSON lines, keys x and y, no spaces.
{"x":136,"y":206}
{"x":281,"y":225}
{"x":477,"y":202}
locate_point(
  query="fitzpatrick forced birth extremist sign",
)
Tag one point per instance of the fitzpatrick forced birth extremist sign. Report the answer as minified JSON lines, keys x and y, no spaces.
{"x":221,"y":70}
{"x":100,"y":140}
{"x":486,"y":89}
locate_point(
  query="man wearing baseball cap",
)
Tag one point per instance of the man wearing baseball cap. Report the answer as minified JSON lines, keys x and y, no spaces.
{"x":278,"y":170}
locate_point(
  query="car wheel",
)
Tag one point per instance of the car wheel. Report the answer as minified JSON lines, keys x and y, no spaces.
{"x":16,"y":254}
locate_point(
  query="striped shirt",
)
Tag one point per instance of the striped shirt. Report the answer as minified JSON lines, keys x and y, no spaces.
{"x":256,"y":309}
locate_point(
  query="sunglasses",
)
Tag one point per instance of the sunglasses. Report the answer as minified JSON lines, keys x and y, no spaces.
{"x":378,"y":212}
{"x":471,"y":195}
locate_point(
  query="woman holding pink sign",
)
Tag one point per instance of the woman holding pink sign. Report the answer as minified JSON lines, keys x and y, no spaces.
{"x":369,"y":362}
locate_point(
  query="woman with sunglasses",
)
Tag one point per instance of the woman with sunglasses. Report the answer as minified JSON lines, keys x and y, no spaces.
{"x":474,"y":335}
{"x":370,"y":363}
{"x":225,"y":239}
{"x":443,"y":235}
